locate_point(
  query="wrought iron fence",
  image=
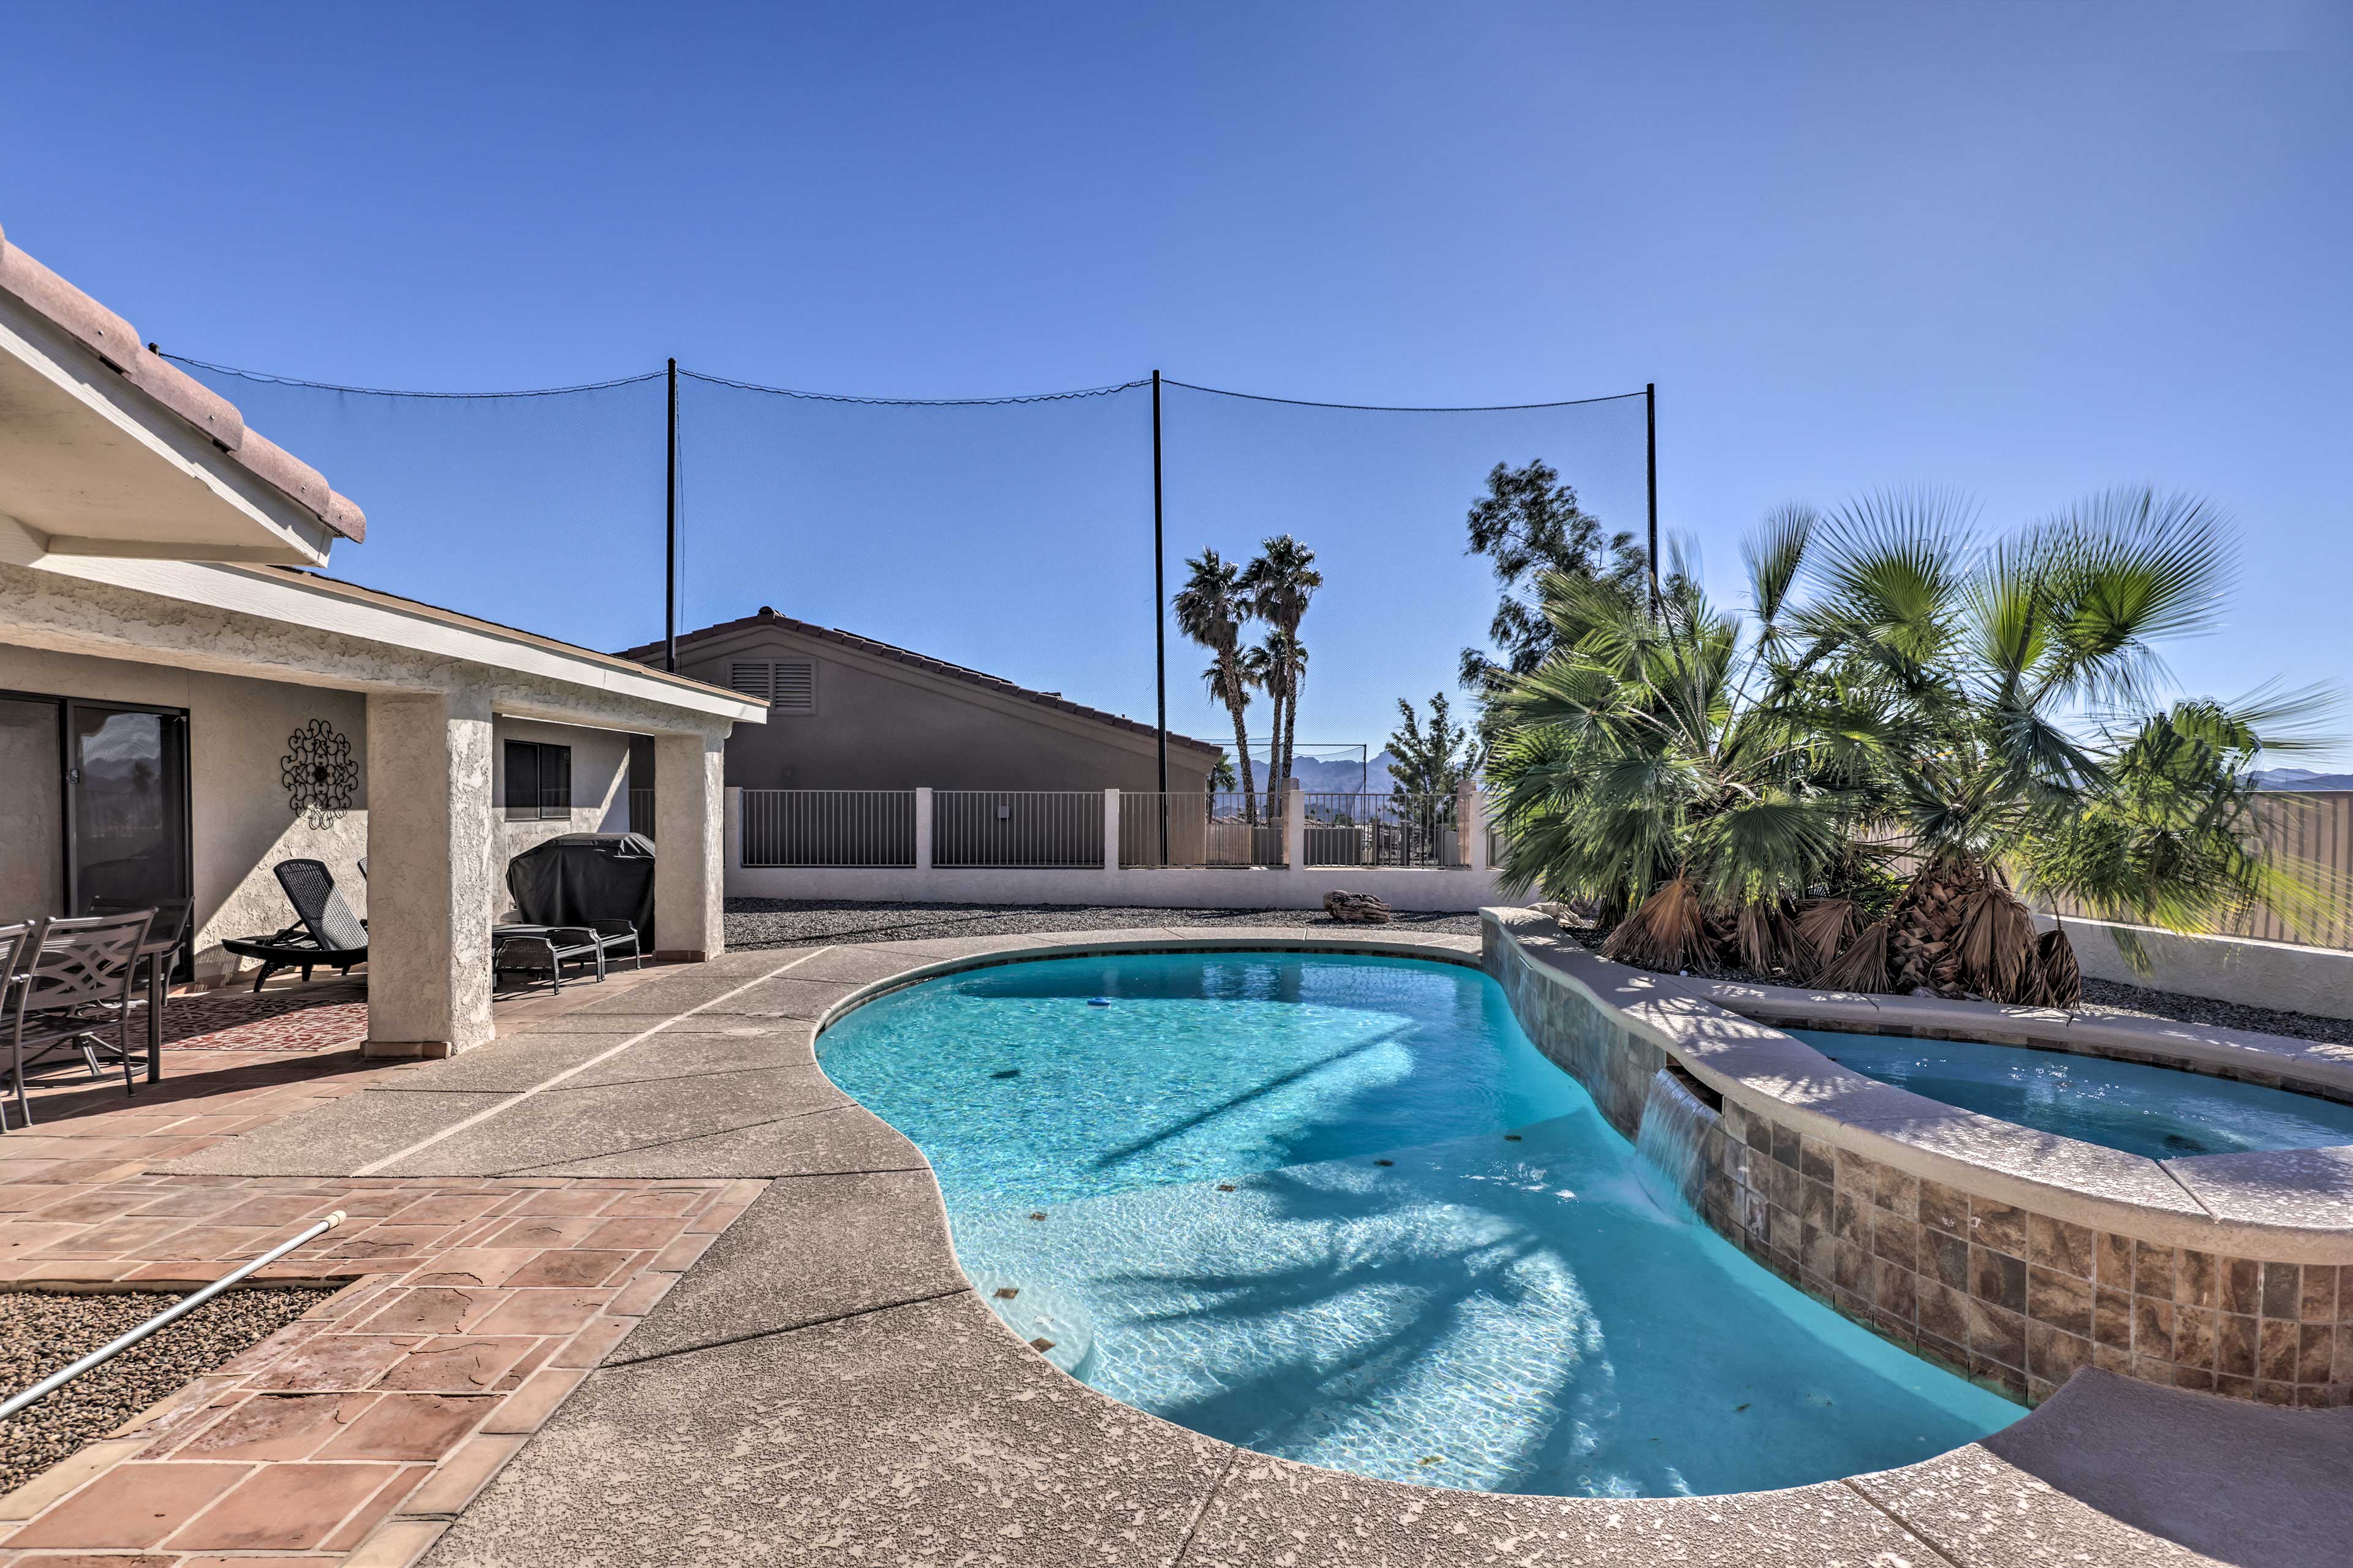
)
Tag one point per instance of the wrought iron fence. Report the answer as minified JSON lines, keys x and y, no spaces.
{"x":862,"y":827}
{"x":1017,"y":828}
{"x":1383,"y":830}
{"x":1202,"y":829}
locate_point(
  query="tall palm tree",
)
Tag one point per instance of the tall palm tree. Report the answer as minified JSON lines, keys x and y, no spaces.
{"x":1210,"y":609}
{"x":1280,"y":583}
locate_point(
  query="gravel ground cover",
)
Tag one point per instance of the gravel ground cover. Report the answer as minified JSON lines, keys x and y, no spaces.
{"x":43,"y":1330}
{"x":801,"y":923}
{"x":2107,"y":999}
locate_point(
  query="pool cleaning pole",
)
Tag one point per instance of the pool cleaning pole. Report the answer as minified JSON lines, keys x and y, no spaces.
{"x":171,"y":1314}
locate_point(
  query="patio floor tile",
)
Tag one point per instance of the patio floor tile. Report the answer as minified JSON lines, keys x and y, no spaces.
{"x":283,"y":1508}
{"x":132,"y":1505}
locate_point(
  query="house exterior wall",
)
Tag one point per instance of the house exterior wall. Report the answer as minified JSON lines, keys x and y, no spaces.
{"x":880,"y":726}
{"x":241,"y":825}
{"x":600,"y":791}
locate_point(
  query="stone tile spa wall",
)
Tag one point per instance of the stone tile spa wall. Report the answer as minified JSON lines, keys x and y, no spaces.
{"x":1952,"y":1265}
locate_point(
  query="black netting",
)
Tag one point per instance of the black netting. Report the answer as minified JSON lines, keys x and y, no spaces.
{"x":1010,"y":535}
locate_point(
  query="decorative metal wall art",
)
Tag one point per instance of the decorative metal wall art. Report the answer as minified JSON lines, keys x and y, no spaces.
{"x":318,"y":773}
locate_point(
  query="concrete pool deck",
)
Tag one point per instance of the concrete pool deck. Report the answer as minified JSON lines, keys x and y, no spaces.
{"x":822,"y":1386}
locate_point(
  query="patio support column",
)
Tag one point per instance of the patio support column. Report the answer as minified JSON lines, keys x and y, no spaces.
{"x":689,"y":827}
{"x":1110,"y":830}
{"x":430,"y":880}
{"x":1295,"y":825}
{"x":923,"y":827}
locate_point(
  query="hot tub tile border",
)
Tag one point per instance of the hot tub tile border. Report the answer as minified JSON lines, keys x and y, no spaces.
{"x":2012,"y":1297}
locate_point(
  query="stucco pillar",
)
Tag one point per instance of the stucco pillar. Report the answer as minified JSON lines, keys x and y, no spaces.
{"x":431,"y":884}
{"x":733,"y":837}
{"x":923,"y":827}
{"x":1295,"y":825}
{"x":690,"y":849}
{"x":1471,"y":823}
{"x":1110,"y":830}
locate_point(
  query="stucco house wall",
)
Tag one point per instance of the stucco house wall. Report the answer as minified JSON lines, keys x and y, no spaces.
{"x":239,"y":823}
{"x":600,"y":791}
{"x":886,"y":722}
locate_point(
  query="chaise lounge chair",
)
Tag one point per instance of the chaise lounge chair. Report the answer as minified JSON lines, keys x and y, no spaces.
{"x":325,"y":935}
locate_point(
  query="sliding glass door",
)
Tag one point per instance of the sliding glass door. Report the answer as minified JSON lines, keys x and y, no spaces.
{"x":32,"y":808}
{"x":93,"y":804}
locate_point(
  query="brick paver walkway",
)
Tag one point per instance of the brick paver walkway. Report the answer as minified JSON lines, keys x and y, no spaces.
{"x":468,"y":1309}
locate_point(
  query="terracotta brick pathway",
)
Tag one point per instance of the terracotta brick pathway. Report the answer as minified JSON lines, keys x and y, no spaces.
{"x":468,"y":1310}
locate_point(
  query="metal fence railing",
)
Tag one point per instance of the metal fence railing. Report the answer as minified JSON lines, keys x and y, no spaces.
{"x":1383,"y":830}
{"x":2312,"y":831}
{"x":1202,"y":829}
{"x":863,"y":827}
{"x":1017,"y":828}
{"x":641,"y":812}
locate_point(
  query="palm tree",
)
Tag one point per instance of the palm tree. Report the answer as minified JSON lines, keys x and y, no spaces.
{"x":1904,"y":688}
{"x":1669,"y":773}
{"x":1280,"y":583}
{"x":1210,"y":609}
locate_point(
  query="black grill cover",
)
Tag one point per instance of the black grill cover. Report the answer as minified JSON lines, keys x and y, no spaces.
{"x":584,"y":876}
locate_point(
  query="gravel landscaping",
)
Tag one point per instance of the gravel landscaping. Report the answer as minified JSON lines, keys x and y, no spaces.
{"x":42,"y":1331}
{"x":2107,"y":999}
{"x":802,"y":923}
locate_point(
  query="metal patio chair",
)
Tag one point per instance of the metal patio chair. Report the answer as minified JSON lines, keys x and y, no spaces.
{"x":161,"y":954}
{"x":73,"y":984}
{"x":325,"y":935}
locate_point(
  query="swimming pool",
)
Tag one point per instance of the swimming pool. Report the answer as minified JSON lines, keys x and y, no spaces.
{"x":1339,"y":1209}
{"x":2166,"y":1113}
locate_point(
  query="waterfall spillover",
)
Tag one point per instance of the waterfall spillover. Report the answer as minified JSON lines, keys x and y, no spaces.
{"x":1672,"y":1146}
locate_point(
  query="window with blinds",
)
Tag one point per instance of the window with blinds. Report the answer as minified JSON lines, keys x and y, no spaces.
{"x":786,"y":684}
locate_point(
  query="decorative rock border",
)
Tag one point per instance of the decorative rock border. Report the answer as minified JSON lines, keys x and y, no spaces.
{"x":2008,"y":1256}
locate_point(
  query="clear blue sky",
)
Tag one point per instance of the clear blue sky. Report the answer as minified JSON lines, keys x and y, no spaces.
{"x":2026,"y":251}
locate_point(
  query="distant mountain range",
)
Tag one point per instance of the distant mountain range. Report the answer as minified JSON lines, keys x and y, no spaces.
{"x":2300,"y":778}
{"x":1325,"y":776}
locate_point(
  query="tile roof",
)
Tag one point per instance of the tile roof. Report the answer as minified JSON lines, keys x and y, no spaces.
{"x":1054,"y":699}
{"x":111,"y":339}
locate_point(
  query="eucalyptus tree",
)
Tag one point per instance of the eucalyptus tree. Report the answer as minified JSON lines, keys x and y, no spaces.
{"x":1530,"y":525}
{"x":1210,"y":610}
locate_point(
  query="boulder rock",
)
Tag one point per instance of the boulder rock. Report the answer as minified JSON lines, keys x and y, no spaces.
{"x":1356,"y":909}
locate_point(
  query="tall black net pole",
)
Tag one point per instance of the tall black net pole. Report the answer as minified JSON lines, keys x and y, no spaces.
{"x":1651,"y":429}
{"x":670,"y":533}
{"x":1160,"y":618}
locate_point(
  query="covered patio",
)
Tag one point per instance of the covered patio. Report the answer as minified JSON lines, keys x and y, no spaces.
{"x":187,"y":701}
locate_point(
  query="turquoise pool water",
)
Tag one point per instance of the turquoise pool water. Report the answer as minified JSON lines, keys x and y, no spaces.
{"x":1341,"y":1210}
{"x":2164,"y":1113}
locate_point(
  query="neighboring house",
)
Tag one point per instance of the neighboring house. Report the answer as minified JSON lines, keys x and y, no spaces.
{"x":186,"y":701}
{"x":847,"y":712}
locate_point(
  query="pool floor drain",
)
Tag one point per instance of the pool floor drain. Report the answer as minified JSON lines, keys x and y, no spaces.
{"x":1006,"y":1292}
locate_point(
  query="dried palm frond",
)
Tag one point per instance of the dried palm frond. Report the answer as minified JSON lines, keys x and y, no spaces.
{"x":1667,"y":932}
{"x":2063,"y":978}
{"x":1863,"y":965}
{"x":1764,"y":940}
{"x":1821,"y":929}
{"x":1993,"y":947}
